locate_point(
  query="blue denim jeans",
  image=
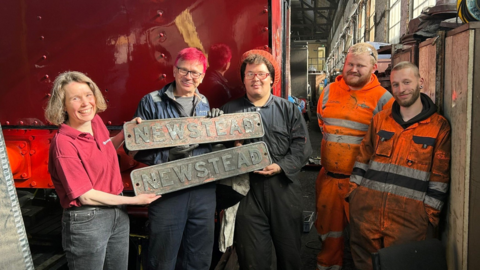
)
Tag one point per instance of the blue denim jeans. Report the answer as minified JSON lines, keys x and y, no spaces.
{"x":96,"y":238}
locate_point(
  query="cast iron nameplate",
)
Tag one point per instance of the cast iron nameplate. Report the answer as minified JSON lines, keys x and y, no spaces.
{"x":170,"y":132}
{"x":194,"y":171}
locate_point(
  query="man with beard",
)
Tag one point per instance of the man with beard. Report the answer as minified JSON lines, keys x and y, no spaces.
{"x":401,"y":176}
{"x":345,"y":109}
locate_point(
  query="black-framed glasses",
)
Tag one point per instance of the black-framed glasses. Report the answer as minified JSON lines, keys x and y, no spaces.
{"x":261,"y":75}
{"x":184,"y":72}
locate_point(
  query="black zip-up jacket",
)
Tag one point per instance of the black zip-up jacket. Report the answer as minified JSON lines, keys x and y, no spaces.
{"x":286,"y":133}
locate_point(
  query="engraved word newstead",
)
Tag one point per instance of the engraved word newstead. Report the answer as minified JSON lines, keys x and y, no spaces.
{"x":194,"y":171}
{"x":170,"y":132}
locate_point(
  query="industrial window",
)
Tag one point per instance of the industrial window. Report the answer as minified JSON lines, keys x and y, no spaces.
{"x":394,"y":22}
{"x":372,"y":20}
{"x":361,"y":24}
{"x":418,"y":5}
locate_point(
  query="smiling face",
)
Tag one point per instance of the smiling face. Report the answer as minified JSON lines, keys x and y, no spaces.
{"x":80,"y":104}
{"x":358,"y":70}
{"x":405,"y":86}
{"x":257,"y":88}
{"x":186,"y":84}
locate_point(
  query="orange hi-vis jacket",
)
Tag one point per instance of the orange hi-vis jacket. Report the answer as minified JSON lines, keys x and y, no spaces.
{"x":344,"y":116}
{"x":407,"y":166}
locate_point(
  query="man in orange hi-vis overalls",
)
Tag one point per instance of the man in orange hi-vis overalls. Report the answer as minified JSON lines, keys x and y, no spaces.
{"x":401,"y":176}
{"x":345,"y":110}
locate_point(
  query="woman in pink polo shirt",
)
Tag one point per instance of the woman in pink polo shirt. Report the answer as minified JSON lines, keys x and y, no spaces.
{"x":84,"y":168}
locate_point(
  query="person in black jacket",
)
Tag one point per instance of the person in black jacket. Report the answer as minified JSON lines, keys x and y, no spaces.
{"x":271,"y":211}
{"x":181,"y":223}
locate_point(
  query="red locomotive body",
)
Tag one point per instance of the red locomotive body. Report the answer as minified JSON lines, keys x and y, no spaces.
{"x":128,"y":48}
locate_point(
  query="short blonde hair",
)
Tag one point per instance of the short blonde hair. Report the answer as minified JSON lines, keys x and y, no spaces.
{"x":405,"y":65}
{"x":55,"y":111}
{"x":363,"y":47}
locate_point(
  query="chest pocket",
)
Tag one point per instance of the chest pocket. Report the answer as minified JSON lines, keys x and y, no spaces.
{"x":421,"y":150}
{"x":280,"y":139}
{"x":385,"y":143}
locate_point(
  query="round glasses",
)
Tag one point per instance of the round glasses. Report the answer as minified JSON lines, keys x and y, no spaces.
{"x":261,"y":75}
{"x":184,"y":72}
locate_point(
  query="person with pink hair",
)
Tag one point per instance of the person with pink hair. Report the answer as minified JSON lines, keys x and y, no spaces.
{"x":182,"y":224}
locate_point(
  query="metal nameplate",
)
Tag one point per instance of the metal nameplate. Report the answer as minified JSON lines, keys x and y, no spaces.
{"x":202,"y":169}
{"x":170,"y":132}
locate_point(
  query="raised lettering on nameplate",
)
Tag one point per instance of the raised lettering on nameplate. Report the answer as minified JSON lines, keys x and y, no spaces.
{"x":170,"y":132}
{"x":194,"y":171}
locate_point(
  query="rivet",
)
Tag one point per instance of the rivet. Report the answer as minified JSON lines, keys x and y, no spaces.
{"x":50,"y":184}
{"x":42,"y":37}
{"x":265,"y":29}
{"x":163,"y":76}
{"x":39,"y":17}
{"x":109,"y":122}
{"x":22,"y":145}
{"x":161,"y":35}
{"x":24,"y":152}
{"x":32,"y":152}
{"x":44,"y":57}
{"x":162,"y":55}
{"x":46,"y":77}
{"x":7,"y":123}
{"x":49,"y":95}
{"x":265,"y":47}
{"x":35,"y":122}
{"x":265,"y":10}
{"x":33,"y":183}
{"x":127,"y":185}
{"x":21,"y":123}
{"x":159,"y":13}
{"x":31,"y":138}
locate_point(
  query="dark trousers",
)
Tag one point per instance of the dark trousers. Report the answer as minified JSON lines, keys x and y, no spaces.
{"x":181,"y":229}
{"x":270,"y":213}
{"x":96,"y":237}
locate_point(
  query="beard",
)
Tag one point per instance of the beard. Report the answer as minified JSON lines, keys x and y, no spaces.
{"x":358,"y":81}
{"x":409,"y":102}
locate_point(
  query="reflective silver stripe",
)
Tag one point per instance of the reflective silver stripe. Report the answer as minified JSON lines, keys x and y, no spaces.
{"x":331,"y":235}
{"x":326,"y":92}
{"x":382,"y":101}
{"x":437,"y":204}
{"x":394,"y":189}
{"x":342,"y":138}
{"x":357,"y":179}
{"x":319,"y":116}
{"x":345,"y":123}
{"x":438,"y":186}
{"x":332,"y":267}
{"x":396,"y":169}
{"x":155,"y":96}
{"x":361,"y":165}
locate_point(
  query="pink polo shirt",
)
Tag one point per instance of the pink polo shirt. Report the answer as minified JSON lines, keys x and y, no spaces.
{"x":79,"y":162}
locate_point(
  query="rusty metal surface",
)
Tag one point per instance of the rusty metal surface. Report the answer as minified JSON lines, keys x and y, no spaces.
{"x":194,"y":171}
{"x":162,"y":133}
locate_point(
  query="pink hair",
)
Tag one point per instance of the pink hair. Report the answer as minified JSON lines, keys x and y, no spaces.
{"x":192,"y":54}
{"x":219,"y":55}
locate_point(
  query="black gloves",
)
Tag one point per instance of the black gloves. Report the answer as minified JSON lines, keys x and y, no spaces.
{"x":214,"y":112}
{"x":180,"y":152}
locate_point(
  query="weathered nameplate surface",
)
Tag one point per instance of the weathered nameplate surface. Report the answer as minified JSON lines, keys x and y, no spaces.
{"x":194,"y":171}
{"x":170,"y":132}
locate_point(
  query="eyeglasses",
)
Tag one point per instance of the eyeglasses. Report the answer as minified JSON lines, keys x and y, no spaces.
{"x":184,"y":72}
{"x":261,"y":75}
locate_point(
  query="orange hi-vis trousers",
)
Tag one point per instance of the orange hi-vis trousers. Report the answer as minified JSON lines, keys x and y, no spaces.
{"x":332,"y":218}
